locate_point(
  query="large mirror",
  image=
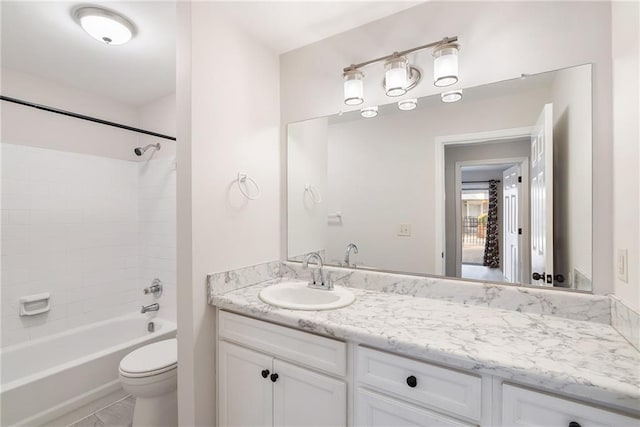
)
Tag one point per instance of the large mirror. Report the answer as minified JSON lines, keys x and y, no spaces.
{"x":494,"y":187}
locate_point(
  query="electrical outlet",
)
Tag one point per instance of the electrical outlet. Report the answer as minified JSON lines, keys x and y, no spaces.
{"x":621,"y":265}
{"x":404,"y":230}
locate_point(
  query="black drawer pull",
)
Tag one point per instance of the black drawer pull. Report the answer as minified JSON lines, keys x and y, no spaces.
{"x":265,"y":373}
{"x":274,"y":377}
{"x":413,"y":381}
{"x":574,"y":424}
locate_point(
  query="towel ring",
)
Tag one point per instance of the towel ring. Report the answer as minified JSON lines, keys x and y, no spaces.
{"x":244,"y":189}
{"x":315,"y":194}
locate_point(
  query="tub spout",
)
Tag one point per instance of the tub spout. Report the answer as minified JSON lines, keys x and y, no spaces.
{"x":151,"y":307}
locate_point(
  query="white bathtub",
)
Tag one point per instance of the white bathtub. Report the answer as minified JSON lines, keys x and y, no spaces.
{"x":44,"y":379}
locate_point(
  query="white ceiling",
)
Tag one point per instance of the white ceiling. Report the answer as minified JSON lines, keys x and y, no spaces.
{"x":288,"y":25}
{"x":42,"y":39}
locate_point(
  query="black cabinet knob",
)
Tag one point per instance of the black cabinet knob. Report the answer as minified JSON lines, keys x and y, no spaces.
{"x":412,"y":381}
{"x":274,"y":377}
{"x":574,"y":424}
{"x":538,"y":276}
{"x":560,"y":279}
{"x":265,"y":373}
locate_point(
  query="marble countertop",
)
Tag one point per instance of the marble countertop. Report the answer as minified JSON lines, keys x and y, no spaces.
{"x":585,"y":360}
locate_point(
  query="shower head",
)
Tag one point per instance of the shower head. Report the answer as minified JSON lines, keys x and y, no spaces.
{"x":141,"y":150}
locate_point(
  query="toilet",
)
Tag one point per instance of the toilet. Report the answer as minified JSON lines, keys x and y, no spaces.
{"x":150,"y":374}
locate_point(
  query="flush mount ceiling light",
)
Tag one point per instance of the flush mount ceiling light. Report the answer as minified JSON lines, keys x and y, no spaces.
{"x":408,"y":104}
{"x":451,"y":96}
{"x":105,"y":26}
{"x":445,"y":64}
{"x":369,"y":112}
{"x":400,"y":76}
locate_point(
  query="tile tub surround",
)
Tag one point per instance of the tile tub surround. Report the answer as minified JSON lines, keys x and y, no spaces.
{"x":585,"y":360}
{"x":626,"y":321}
{"x":570,"y":305}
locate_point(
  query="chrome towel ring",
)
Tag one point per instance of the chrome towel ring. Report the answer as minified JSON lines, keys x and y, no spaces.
{"x":243,"y":178}
{"x":316,"y":197}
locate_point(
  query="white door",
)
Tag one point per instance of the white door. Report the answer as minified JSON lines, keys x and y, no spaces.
{"x":542,"y":198}
{"x":511,"y":223}
{"x":305,"y":398}
{"x":244,"y":386}
{"x":376,"y":410}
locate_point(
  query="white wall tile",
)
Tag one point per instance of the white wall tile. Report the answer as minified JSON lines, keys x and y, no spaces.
{"x":90,"y":231}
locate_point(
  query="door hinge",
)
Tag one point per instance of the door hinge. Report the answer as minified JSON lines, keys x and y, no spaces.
{"x":519,"y":179}
{"x":519,"y":230}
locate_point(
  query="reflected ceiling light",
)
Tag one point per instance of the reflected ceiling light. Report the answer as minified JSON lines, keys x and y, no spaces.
{"x":353,"y":87}
{"x":105,"y":26}
{"x":451,"y":96}
{"x":445,"y":64}
{"x":408,"y":104}
{"x":400,"y":76}
{"x":369,"y":112}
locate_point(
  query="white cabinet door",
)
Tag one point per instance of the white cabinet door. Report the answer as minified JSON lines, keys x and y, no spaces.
{"x":375,"y":410}
{"x":305,"y":398}
{"x":244,"y":392}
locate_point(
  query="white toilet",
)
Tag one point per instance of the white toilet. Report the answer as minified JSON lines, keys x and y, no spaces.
{"x":150,"y":374}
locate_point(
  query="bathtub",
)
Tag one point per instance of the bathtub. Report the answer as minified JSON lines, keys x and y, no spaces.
{"x":44,"y":379}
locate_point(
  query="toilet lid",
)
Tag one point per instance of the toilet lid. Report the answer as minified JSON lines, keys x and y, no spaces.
{"x":158,"y":356}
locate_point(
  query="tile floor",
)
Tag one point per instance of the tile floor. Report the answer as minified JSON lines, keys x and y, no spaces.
{"x":480,"y":272}
{"x":118,"y":414}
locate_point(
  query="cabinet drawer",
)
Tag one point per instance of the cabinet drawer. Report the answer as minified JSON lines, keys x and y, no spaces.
{"x":317,"y":352}
{"x":523,"y":407}
{"x":441,"y":388}
{"x":375,"y":410}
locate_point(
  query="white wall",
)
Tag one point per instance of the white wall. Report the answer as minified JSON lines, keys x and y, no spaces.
{"x":500,"y":40}
{"x":572,"y":190}
{"x":307,"y":164}
{"x":626,"y":134}
{"x":233,"y":127}
{"x":36,"y":128}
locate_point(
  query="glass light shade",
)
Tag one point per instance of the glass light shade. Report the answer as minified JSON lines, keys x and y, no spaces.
{"x":369,"y":112}
{"x":353,"y":87}
{"x":105,"y":26}
{"x":445,"y":65}
{"x":451,"y":96}
{"x":408,"y":104}
{"x":396,"y":76}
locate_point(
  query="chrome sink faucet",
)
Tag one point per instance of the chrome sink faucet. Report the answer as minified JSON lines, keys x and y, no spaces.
{"x":151,"y":307}
{"x":347,"y":254}
{"x":317,"y":283}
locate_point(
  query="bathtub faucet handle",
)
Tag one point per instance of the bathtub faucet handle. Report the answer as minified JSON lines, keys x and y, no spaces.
{"x":155,"y":288}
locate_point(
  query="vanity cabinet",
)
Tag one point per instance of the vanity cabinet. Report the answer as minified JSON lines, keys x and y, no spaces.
{"x":256,"y":387}
{"x":394,"y":390}
{"x":524,"y":407}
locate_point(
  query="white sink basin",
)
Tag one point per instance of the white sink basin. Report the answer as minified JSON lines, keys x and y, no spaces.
{"x":299,"y":296}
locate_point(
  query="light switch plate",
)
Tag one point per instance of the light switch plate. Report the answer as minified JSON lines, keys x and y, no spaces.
{"x":404,"y":230}
{"x":622,"y":269}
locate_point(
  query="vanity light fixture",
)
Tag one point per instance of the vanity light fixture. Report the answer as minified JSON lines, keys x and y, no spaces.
{"x":445,"y":64}
{"x":408,"y":104}
{"x":353,"y":87}
{"x":400,"y":76}
{"x":104,"y":25}
{"x":451,"y":96}
{"x":369,"y":112}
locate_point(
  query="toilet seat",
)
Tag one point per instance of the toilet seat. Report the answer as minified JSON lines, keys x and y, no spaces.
{"x":150,"y":360}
